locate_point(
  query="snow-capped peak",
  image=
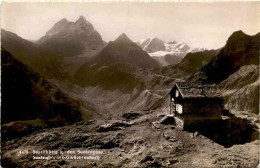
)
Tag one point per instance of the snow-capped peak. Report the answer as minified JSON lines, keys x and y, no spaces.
{"x":153,"y":45}
{"x":159,"y":50}
{"x":198,"y":49}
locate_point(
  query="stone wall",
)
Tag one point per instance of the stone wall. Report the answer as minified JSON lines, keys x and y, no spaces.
{"x":203,"y":108}
{"x":179,"y":122}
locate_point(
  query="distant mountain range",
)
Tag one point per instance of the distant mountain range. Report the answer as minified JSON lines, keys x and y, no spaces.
{"x":75,"y":52}
{"x":69,"y":45}
{"x":170,"y":53}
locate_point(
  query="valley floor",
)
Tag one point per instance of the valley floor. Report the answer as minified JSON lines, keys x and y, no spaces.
{"x":141,"y":140}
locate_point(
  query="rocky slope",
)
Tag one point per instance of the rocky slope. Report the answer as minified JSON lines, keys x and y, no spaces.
{"x":22,"y":48}
{"x":240,"y":49}
{"x":151,"y":45}
{"x":124,"y":51}
{"x":241,"y":89}
{"x":121,"y":87}
{"x":147,"y":139}
{"x":120,"y":78}
{"x":115,"y":65}
{"x":40,"y":60}
{"x":167,"y":59}
{"x":28,"y":96}
{"x":190,"y":64}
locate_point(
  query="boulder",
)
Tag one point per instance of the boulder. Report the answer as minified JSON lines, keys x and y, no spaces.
{"x":116,"y":125}
{"x":131,"y":115}
{"x":147,"y":158}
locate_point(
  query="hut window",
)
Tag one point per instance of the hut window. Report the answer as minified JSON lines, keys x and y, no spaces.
{"x":179,"y":108}
{"x":176,"y":93}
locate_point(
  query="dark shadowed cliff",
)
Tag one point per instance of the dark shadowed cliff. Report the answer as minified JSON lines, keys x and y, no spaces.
{"x":240,"y":50}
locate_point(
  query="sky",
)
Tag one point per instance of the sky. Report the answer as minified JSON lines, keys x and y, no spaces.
{"x":198,"y":24}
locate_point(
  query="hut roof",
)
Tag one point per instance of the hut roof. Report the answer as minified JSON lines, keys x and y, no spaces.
{"x":197,"y":90}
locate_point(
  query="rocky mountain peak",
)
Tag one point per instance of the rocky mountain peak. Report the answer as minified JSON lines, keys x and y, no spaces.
{"x":123,"y":38}
{"x":58,"y":27}
{"x":72,"y":33}
{"x":82,"y":21}
{"x":72,"y":38}
{"x":64,"y":25}
{"x":120,"y":51}
{"x":64,"y":20}
{"x":237,"y":36}
{"x":82,"y":18}
{"x":156,"y":40}
{"x":239,"y":32}
{"x":172,"y":42}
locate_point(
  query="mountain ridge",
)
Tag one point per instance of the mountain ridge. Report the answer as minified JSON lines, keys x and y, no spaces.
{"x":27,"y":95}
{"x":113,"y":62}
{"x":240,"y":49}
{"x":124,"y":51}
